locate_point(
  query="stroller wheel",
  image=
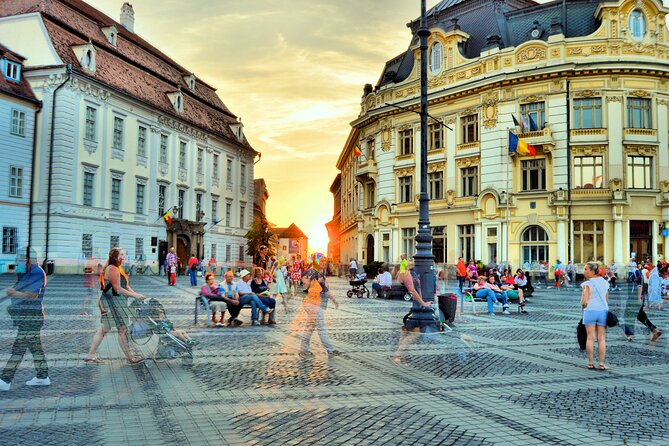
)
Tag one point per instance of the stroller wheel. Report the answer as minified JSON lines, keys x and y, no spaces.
{"x":360,"y":294}
{"x":349,"y":293}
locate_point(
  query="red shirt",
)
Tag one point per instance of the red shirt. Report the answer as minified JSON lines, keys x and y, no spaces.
{"x":193,"y":262}
{"x":462,"y":269}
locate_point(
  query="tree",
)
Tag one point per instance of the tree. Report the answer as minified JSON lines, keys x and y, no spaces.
{"x":261,"y":234}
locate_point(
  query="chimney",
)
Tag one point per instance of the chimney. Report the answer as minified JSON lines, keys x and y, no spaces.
{"x":128,"y":17}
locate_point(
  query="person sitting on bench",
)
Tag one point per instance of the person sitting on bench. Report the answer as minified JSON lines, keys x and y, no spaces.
{"x":383,"y":282}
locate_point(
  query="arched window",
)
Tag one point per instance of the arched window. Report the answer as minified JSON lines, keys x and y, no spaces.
{"x":637,"y":25}
{"x":436,"y":58}
{"x":88,"y":58}
{"x":534,"y":247}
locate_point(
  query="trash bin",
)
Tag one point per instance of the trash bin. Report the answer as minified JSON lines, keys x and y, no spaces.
{"x":49,"y":266}
{"x":448,"y":305}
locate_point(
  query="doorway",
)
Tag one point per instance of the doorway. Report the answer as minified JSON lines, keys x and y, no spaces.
{"x":183,"y":252}
{"x":641,"y":239}
{"x":162,"y":253}
{"x":370,"y":248}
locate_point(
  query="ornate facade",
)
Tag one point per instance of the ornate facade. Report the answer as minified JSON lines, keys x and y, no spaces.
{"x":126,"y":135}
{"x":591,"y":88}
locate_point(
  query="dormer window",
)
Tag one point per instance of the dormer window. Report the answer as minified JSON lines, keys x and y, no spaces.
{"x":436,"y":58}
{"x":11,"y":70}
{"x":177,"y":100}
{"x":637,"y":24}
{"x":111,"y":33}
{"x":190,"y":81}
{"x":86,"y":56}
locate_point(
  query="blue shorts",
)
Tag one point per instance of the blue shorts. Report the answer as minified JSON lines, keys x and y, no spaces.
{"x":592,"y":317}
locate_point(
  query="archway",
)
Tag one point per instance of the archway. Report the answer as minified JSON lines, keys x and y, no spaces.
{"x":370,"y":248}
{"x":534,"y":245}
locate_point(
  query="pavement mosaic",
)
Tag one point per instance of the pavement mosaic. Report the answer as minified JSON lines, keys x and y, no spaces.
{"x":508,"y":380}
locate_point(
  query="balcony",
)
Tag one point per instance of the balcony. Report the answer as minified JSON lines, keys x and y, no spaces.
{"x":634,"y":135}
{"x":469,"y":146}
{"x":366,"y":169}
{"x":589,"y":135}
{"x":543,"y":138}
{"x":588,"y":194}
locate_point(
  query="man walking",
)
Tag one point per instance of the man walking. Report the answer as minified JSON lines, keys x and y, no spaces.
{"x":462,"y":273}
{"x":193,"y":264}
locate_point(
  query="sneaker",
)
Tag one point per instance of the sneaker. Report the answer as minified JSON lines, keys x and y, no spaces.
{"x":255,"y":323}
{"x":220,"y":324}
{"x":39,"y":382}
{"x":492,"y":314}
{"x":498,"y":303}
{"x":4,"y":386}
{"x":506,"y":311}
{"x":270,"y":311}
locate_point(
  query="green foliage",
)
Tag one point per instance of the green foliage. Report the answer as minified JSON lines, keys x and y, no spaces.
{"x":372,"y":267}
{"x":261,"y":234}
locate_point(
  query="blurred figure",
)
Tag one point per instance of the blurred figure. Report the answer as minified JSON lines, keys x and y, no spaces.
{"x":91,"y":271}
{"x":27,"y":313}
{"x":634,"y":309}
{"x":171,"y":264}
{"x":594,"y":301}
{"x":571,"y":273}
{"x":314,"y":305}
{"x":462,"y":273}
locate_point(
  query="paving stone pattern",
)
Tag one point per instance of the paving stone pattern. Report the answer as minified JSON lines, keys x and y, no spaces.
{"x":508,"y":380}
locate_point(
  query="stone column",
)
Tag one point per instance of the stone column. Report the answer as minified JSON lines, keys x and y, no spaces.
{"x":562,"y":240}
{"x":478,"y":241}
{"x":618,"y":250}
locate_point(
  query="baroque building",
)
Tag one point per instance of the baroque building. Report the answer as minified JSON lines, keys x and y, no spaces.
{"x":587,"y":82}
{"x":126,"y":135}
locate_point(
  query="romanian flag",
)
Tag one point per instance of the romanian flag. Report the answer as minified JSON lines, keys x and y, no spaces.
{"x":168,"y":218}
{"x":517,"y":145}
{"x":356,"y":151}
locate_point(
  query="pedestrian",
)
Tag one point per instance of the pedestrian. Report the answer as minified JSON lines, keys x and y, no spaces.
{"x":461,"y":273}
{"x":193,"y":264}
{"x":472,"y":273}
{"x":170,"y":267}
{"x":261,"y":260}
{"x":631,"y":267}
{"x":27,"y":313}
{"x":217,"y":301}
{"x":613,"y":269}
{"x":543,"y":271}
{"x":314,"y":305}
{"x":559,"y":273}
{"x":404,"y":263}
{"x":571,"y":273}
{"x":352,"y":268}
{"x":115,"y":292}
{"x":280,"y":275}
{"x":295,"y":275}
{"x":594,"y":301}
{"x":634,"y":309}
{"x":212,"y":264}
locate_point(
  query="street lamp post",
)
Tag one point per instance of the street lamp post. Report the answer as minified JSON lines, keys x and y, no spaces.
{"x":424,"y":259}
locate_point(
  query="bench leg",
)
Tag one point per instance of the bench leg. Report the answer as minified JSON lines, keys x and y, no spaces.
{"x":197,"y":304}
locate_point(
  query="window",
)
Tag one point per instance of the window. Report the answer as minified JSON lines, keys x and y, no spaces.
{"x":15,"y":181}
{"x":470,"y":181}
{"x":114,"y":242}
{"x":638,"y":113}
{"x":181,"y":203}
{"x":163,"y":149}
{"x":18,"y":123}
{"x":228,"y":214}
{"x":182,"y":155}
{"x":536,"y":111}
{"x":534,"y":245}
{"x":242,"y":214}
{"x":162,"y":195}
{"x":198,"y":207}
{"x":116,"y":194}
{"x":89,"y":177}
{"x":117,"y":141}
{"x":228,"y":254}
{"x":637,"y":24}
{"x":90,"y":130}
{"x":200,"y":161}
{"x":371,"y":195}
{"x":9,"y":240}
{"x":371,"y":145}
{"x":640,"y":172}
{"x":12,"y":71}
{"x":406,"y":189}
{"x":470,"y":128}
{"x":228,"y":171}
{"x":241,"y":253}
{"x":213,"y":250}
{"x":243,"y":175}
{"x":439,"y":244}
{"x":588,"y":113}
{"x":139,"y":248}
{"x":409,"y":242}
{"x":435,"y":136}
{"x":466,"y":238}
{"x":406,"y":141}
{"x":87,"y":245}
{"x":436,"y":58}
{"x":534,"y":174}
{"x":139,"y":207}
{"x":141,"y":141}
{"x":214,"y":166}
{"x":588,"y":172}
{"x":588,"y":240}
{"x":436,"y":184}
{"x":214,"y":211}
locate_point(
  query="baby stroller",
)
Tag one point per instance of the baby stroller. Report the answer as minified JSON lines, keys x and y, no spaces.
{"x":358,"y":286}
{"x":148,"y":320}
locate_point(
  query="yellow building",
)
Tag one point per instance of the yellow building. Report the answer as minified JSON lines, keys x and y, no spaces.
{"x":588,"y":85}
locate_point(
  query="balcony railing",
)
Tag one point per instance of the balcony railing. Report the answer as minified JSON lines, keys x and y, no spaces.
{"x":640,"y":132}
{"x":469,"y":146}
{"x":588,"y":132}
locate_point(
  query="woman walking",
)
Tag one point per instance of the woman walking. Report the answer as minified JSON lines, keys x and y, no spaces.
{"x":295,"y":276}
{"x":594,"y":301}
{"x":280,"y":278}
{"x":115,"y":293}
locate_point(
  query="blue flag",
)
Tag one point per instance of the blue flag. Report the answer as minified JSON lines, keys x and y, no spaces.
{"x":533,"y":125}
{"x":515,"y":121}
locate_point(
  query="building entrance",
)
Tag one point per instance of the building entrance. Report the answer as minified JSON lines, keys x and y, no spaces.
{"x":370,"y":248}
{"x":641,"y":239}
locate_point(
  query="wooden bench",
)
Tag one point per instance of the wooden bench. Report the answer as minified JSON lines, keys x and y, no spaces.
{"x":202,"y":302}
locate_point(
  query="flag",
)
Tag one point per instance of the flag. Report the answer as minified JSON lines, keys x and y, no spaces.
{"x":168,"y":218}
{"x":533,"y":125}
{"x":525,"y":125}
{"x":356,"y":151}
{"x":515,"y":121}
{"x":517,"y":145}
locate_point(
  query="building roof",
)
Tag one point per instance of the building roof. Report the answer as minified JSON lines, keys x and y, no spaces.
{"x":291,"y":231}
{"x":20,"y":89}
{"x":133,"y":66}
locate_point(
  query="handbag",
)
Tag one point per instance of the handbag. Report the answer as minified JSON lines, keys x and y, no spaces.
{"x":611,"y":319}
{"x":581,"y":334}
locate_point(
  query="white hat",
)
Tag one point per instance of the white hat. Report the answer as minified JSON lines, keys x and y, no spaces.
{"x":243,"y":273}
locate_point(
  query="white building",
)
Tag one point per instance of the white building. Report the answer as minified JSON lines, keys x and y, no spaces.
{"x":134,"y":134}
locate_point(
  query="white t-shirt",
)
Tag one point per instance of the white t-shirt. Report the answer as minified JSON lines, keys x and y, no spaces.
{"x":542,"y":268}
{"x":598,"y":289}
{"x":353,"y":265}
{"x":631,"y":266}
{"x":386,"y":279}
{"x":613,"y":268}
{"x":244,"y":287}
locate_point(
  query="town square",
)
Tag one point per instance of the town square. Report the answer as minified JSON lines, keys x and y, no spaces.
{"x":403,"y":222}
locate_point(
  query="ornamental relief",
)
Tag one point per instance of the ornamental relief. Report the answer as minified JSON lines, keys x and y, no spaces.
{"x":532,"y":98}
{"x":638,"y":48}
{"x":467,"y":162}
{"x":640,"y":150}
{"x":531,"y":54}
{"x":614,"y":99}
{"x":386,"y":136}
{"x":406,"y":171}
{"x":490,"y":110}
{"x":436,"y":167}
{"x":638,"y":94}
{"x":469,"y":111}
{"x":588,"y":150}
{"x":587,"y":94}
{"x":88,"y":89}
{"x":662,"y":102}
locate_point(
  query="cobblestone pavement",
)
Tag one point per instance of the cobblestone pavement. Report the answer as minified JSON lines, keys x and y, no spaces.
{"x":508,"y":380}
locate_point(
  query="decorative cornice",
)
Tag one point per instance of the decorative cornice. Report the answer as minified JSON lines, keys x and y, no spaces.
{"x":588,"y":150}
{"x":587,"y":94}
{"x":436,"y":167}
{"x":614,"y":99}
{"x":468,"y":161}
{"x":532,"y":98}
{"x":642,"y":150}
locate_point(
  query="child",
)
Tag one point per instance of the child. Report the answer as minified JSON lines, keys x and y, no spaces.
{"x":167,"y":325}
{"x":173,"y":275}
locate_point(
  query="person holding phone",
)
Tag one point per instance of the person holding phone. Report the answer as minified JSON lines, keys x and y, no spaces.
{"x":260,"y":288}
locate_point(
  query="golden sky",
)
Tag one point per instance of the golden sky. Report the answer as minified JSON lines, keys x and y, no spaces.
{"x":293,"y":70}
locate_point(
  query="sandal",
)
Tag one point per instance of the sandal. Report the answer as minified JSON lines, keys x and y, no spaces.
{"x":591,"y":367}
{"x":94,"y":360}
{"x":136,"y":360}
{"x":602,"y":367}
